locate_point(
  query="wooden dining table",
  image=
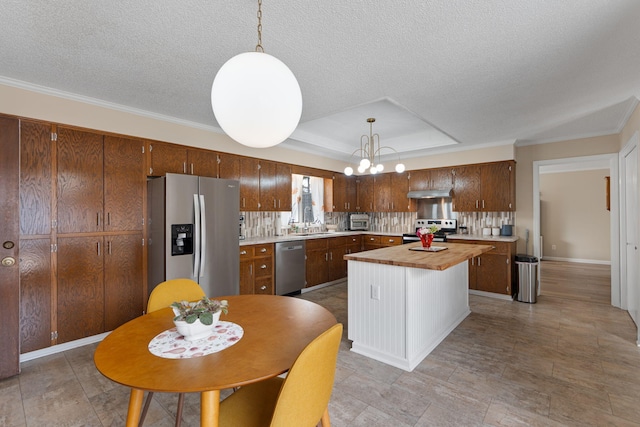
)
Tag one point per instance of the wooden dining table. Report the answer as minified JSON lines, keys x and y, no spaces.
{"x":276,"y":330}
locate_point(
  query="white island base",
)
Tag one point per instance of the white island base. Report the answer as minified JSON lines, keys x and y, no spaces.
{"x":398,"y":315}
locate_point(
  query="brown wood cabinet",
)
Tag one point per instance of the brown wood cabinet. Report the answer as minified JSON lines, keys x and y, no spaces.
{"x":493,"y":271}
{"x":325,"y":261}
{"x":81,"y":270}
{"x":377,"y":241}
{"x":488,"y":187}
{"x":431,"y":179}
{"x":256,"y":269}
{"x":399,"y":189}
{"x":249,"y":184}
{"x":344,"y":193}
{"x":365,"y":186}
{"x":163,"y":158}
{"x":283,"y":187}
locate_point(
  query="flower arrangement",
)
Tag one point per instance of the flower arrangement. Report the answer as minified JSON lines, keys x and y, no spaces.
{"x":430,"y":230}
{"x":426,"y":235}
{"x":203,"y":309}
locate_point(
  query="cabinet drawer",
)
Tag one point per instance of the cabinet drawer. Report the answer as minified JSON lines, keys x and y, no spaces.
{"x":246,"y":252}
{"x":353,"y":240}
{"x":263,"y":267}
{"x":498,"y":247}
{"x":263,"y":250}
{"x":370,"y":239}
{"x":391,"y":240}
{"x":263,"y":286}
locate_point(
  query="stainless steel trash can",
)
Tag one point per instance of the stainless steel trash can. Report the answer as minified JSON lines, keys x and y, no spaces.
{"x":527,"y":278}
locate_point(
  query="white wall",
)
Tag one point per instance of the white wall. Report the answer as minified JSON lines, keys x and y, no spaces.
{"x":573,"y":216}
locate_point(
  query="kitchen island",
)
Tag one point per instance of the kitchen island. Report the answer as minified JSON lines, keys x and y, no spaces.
{"x":402,"y":303}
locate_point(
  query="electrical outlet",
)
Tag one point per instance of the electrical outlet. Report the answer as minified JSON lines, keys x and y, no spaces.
{"x":553,"y":247}
{"x":375,"y":292}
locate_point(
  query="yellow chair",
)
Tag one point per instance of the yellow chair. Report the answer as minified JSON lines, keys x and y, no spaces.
{"x":299,"y":400}
{"x":161,"y":297}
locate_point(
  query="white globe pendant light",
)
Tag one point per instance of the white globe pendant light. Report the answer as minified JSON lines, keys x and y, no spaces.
{"x":256,"y":98}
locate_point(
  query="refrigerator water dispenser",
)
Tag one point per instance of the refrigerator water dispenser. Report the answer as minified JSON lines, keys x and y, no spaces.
{"x":181,"y":239}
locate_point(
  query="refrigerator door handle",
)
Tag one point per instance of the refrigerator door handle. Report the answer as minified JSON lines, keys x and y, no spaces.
{"x":196,"y":235}
{"x":203,"y":236}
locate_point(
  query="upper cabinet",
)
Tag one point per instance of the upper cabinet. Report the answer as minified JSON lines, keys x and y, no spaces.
{"x":166,"y":158}
{"x":399,"y":189}
{"x":283,"y":187}
{"x":344,"y":193}
{"x":431,"y":179}
{"x":488,"y":187}
{"x":365,"y":193}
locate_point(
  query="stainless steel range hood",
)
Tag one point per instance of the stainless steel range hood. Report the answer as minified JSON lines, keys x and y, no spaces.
{"x":429,"y":194}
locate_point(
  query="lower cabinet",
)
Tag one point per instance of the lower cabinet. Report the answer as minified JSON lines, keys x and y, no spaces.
{"x":325,"y":261}
{"x":376,"y":241}
{"x":492,"y":271}
{"x":256,"y":269}
{"x":97,"y":287}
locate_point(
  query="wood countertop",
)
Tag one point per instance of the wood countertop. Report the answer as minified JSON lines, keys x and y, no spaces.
{"x":402,"y":256}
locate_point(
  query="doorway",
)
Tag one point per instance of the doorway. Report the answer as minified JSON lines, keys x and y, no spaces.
{"x":606,"y":161}
{"x":629,"y":229}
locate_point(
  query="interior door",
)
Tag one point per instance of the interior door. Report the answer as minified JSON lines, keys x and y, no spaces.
{"x":631,"y":218}
{"x":9,"y":236}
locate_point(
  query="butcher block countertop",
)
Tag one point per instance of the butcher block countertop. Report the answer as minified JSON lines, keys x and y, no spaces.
{"x":402,"y":256}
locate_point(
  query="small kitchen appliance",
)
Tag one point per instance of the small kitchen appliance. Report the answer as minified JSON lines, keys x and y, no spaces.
{"x":359,"y":222}
{"x":445,"y":227}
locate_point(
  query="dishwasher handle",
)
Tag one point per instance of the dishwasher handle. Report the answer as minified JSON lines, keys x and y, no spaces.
{"x":291,"y":248}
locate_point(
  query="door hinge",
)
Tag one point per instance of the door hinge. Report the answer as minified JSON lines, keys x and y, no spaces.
{"x":143,"y":149}
{"x":150,"y":148}
{"x":218,"y":159}
{"x":259,"y":167}
{"x":150,"y":170}
{"x":54,"y":335}
{"x":54,"y":224}
{"x":54,"y":247}
{"x":54,"y":136}
{"x":142,"y":242}
{"x":508,"y":261}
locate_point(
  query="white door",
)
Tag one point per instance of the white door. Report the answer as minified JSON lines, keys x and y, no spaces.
{"x":631,"y":238}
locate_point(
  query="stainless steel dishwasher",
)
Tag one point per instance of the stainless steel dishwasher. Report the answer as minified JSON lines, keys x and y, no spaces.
{"x":290,"y":267}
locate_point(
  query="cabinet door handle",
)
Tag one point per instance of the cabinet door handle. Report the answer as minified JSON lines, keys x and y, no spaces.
{"x":478,"y":261}
{"x":483,"y":204}
{"x":109,"y":247}
{"x":99,"y":251}
{"x":98,"y":219}
{"x":331,"y":256}
{"x":263,"y":266}
{"x":391,"y":240}
{"x":473,"y":261}
{"x":476,"y":204}
{"x":326,"y":257}
{"x":274,"y":203}
{"x":243,"y":252}
{"x":243,"y":203}
{"x":108,"y":218}
{"x":263,"y":250}
{"x":191,"y":168}
{"x":263,"y":287}
{"x":250,"y":269}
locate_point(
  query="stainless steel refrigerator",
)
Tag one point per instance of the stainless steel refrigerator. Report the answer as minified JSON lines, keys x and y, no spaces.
{"x":193,"y":232}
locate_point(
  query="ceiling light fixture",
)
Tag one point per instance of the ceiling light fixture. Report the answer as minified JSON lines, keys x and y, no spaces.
{"x":256,"y":98}
{"x":370,"y":150}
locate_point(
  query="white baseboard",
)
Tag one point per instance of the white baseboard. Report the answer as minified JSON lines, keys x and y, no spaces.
{"x":577,"y":260}
{"x":322,"y":285}
{"x":490,"y":295}
{"x":62,"y":347}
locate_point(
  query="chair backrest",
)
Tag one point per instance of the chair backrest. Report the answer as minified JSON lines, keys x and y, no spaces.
{"x":173,"y":290}
{"x":306,"y":390}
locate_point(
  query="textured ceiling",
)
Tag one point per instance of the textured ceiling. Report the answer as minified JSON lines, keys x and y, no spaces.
{"x":436,"y":75}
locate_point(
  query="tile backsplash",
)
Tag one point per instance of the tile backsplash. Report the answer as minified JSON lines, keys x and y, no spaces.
{"x":268,"y":224}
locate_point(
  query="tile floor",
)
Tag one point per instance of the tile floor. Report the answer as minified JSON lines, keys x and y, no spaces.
{"x":559,"y":362}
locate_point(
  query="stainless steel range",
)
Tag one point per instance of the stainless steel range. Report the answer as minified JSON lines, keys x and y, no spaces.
{"x":445,"y":227}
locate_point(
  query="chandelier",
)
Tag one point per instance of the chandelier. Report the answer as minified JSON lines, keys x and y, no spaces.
{"x":256,"y":98}
{"x":369,"y":152}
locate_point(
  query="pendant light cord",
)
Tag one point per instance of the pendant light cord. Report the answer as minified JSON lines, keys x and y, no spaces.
{"x":259,"y":47}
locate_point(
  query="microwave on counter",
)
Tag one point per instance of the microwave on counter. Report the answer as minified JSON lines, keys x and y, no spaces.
{"x":358,"y":222}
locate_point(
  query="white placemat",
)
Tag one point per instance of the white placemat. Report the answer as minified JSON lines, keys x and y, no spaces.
{"x":171,"y":345}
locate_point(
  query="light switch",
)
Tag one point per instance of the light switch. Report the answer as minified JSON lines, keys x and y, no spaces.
{"x":375,"y":292}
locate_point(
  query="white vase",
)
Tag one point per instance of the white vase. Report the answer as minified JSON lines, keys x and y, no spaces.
{"x":196,"y":330}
